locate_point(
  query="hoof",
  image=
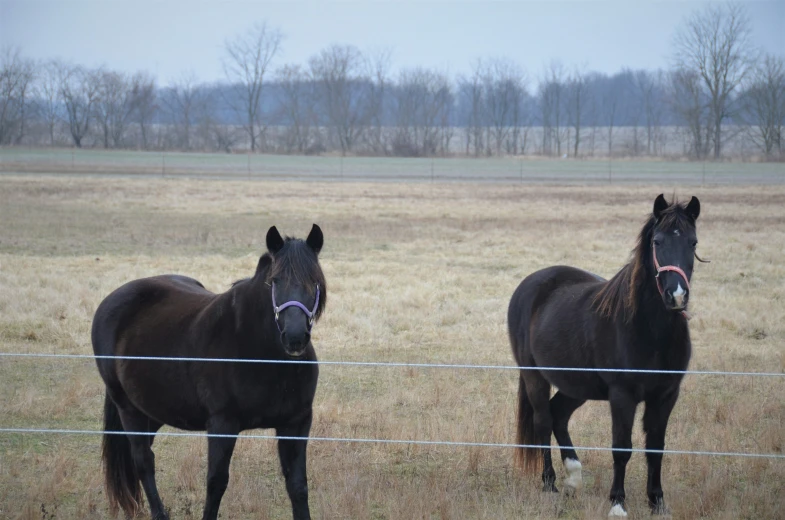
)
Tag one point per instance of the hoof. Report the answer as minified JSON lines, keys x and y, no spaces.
{"x":549,"y":488}
{"x":617,"y":511}
{"x":574,"y":480}
{"x":659,"y":509}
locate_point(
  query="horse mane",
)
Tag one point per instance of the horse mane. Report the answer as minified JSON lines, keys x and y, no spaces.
{"x":621,"y":294}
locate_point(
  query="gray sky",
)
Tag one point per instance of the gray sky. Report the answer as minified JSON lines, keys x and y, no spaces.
{"x":171,"y":37}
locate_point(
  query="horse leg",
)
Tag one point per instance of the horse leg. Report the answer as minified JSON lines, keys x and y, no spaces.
{"x":539,"y":391}
{"x":562,"y":408}
{"x":144,"y":459}
{"x":293,"y":461}
{"x":655,"y":421}
{"x":623,"y":416}
{"x":219,"y":456}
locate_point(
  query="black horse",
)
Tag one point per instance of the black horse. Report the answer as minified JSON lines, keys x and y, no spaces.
{"x":175,"y":316}
{"x":565,"y":317}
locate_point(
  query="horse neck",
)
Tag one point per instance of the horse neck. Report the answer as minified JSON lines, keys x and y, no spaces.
{"x":253,"y":310}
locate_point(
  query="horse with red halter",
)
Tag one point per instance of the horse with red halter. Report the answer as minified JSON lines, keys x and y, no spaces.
{"x":175,"y":316}
{"x":565,"y":317}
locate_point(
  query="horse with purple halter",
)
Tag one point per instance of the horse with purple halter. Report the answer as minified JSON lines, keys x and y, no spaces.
{"x":566,"y":317}
{"x":175,"y":316}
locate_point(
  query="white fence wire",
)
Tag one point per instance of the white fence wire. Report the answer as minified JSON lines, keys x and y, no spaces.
{"x":391,"y":364}
{"x":21,"y":355}
{"x":390,"y":441}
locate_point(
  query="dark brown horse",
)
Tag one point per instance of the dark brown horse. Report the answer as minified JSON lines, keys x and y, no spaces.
{"x":175,"y":316}
{"x":565,"y":317}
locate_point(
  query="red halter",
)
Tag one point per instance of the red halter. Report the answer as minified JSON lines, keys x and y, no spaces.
{"x":673,"y":268}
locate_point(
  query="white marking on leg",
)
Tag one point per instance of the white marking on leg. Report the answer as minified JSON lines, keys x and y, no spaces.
{"x":574,"y":480}
{"x":617,"y":510}
{"x":678,"y":296}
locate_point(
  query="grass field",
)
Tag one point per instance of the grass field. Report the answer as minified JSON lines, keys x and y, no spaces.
{"x":524,"y":170}
{"x":416,"y":272}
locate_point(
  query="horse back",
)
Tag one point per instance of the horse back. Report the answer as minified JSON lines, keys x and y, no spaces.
{"x":538,"y":291}
{"x":137,"y":308}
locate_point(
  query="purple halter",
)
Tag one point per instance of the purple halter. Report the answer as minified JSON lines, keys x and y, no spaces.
{"x":310,"y":313}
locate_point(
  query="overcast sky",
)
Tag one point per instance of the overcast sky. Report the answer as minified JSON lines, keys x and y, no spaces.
{"x":171,"y":37}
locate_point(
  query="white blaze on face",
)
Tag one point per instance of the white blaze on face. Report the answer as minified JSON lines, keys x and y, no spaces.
{"x":678,"y":296}
{"x":574,"y":480}
{"x":617,"y":510}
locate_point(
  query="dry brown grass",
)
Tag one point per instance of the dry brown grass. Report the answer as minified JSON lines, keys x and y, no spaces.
{"x":415,"y":273}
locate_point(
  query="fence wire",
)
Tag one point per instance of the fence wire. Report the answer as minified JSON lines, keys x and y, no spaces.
{"x":390,"y":441}
{"x":390,"y":364}
{"x":18,"y":355}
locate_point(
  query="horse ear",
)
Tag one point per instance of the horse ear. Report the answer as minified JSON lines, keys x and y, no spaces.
{"x":265,"y":261}
{"x":660,"y":205}
{"x":694,"y":208}
{"x":274,"y":240}
{"x":315,"y":239}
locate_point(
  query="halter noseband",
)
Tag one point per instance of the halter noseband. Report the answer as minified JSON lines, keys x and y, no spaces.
{"x":293,"y":303}
{"x":674,"y":268}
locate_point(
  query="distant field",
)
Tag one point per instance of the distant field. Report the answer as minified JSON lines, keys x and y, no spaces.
{"x":16,"y":160}
{"x":416,"y":273}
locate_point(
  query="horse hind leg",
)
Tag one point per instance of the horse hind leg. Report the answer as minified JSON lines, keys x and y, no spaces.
{"x":536,"y":423}
{"x":562,"y":408}
{"x":144,"y":460}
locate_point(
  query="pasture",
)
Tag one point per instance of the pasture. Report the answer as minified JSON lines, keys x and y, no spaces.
{"x":523,"y":170}
{"x":416,"y":273}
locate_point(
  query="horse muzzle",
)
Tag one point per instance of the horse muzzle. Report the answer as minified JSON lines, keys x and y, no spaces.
{"x":676,"y":299}
{"x":295,"y":346}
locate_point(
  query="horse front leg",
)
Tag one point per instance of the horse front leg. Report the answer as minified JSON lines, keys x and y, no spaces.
{"x":623,"y":416}
{"x":292,"y":454}
{"x":219,"y":456}
{"x":655,"y":422}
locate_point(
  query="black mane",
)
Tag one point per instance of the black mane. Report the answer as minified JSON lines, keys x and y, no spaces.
{"x":620,"y":296}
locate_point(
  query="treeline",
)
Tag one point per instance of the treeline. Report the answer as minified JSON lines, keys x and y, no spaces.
{"x":719,"y":90}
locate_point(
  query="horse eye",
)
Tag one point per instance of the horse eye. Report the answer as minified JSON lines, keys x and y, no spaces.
{"x":656,"y":242}
{"x":694,"y":244}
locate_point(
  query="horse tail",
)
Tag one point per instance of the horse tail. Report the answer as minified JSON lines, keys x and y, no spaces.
{"x":528,"y":459}
{"x":120,"y":476}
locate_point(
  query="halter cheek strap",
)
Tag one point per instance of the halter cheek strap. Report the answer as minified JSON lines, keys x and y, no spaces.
{"x":674,"y":268}
{"x":311,"y":313}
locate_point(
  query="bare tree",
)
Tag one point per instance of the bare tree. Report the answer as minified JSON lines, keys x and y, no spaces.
{"x":471,"y":89}
{"x":47,"y":92}
{"x":445,"y":99}
{"x":611,"y":101}
{"x":185,"y":102}
{"x":691,"y":104}
{"x":296,"y":106}
{"x":552,"y":96}
{"x":502,"y":82}
{"x":764,"y":106}
{"x":378,"y":65}
{"x":144,"y":104}
{"x":341,"y":82}
{"x":648,"y":88}
{"x":248,"y":58}
{"x":578,"y":89}
{"x":422,"y":100}
{"x":79,"y":90}
{"x":114,"y":107}
{"x":16,"y":80}
{"x":715,"y":43}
